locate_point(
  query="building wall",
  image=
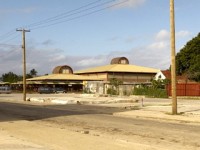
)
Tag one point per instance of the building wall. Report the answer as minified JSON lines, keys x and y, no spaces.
{"x":129,"y":82}
{"x":131,"y":77}
{"x":100,"y":87}
{"x":94,"y":87}
{"x":102,"y":76}
{"x":123,"y":76}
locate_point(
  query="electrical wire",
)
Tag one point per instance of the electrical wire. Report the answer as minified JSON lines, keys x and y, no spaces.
{"x":62,"y":14}
{"x":8,"y":45}
{"x":52,"y":19}
{"x":6,"y":35}
{"x":9,"y":52}
{"x":12,"y":38}
{"x":70,"y":13}
{"x":80,"y":16}
{"x":77,"y":13}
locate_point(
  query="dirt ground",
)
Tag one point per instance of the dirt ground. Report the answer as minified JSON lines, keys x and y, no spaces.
{"x":38,"y":126}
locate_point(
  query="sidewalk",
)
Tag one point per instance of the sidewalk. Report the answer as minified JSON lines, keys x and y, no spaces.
{"x":137,"y":106}
{"x":188,"y":111}
{"x":8,"y":142}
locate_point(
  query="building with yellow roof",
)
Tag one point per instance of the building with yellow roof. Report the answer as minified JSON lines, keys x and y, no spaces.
{"x":97,"y":79}
{"x":120,"y":69}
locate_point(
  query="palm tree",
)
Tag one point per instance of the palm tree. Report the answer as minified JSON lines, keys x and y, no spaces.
{"x":33,"y":72}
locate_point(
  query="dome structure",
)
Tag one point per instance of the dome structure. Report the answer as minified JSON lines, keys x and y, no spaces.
{"x":119,"y":60}
{"x":62,"y":70}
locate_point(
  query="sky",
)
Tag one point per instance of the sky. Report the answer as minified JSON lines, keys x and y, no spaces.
{"x":89,"y":33}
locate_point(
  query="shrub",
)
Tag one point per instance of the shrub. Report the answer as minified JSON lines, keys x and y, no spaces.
{"x":150,"y":92}
{"x":112,"y":91}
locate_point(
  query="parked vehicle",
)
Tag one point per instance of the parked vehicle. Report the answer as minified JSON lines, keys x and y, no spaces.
{"x":46,"y":90}
{"x":59,"y":90}
{"x":5,"y":90}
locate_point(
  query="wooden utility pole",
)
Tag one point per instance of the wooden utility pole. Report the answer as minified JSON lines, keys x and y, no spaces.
{"x":173,"y":60}
{"x":24,"y":61}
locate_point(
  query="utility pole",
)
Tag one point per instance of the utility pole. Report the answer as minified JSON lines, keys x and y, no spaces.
{"x":24,"y":61}
{"x":173,"y":58}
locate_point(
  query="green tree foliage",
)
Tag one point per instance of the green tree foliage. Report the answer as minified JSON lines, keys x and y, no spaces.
{"x":31,"y":74}
{"x":156,"y":89}
{"x":114,"y":90}
{"x":188,"y":59}
{"x":10,"y":77}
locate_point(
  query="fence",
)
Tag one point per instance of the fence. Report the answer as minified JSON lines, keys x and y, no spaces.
{"x":185,"y":89}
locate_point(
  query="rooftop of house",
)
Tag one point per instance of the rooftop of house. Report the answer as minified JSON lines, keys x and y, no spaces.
{"x":62,"y":77}
{"x":119,"y":68}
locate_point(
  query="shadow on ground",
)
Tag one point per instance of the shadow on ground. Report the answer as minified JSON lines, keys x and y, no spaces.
{"x":27,"y":111}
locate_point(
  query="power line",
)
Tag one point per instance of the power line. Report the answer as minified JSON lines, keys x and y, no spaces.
{"x":9,"y":52}
{"x":2,"y":44}
{"x":80,"y":16}
{"x":6,"y":35}
{"x":11,"y":38}
{"x":62,"y":14}
{"x":57,"y":17}
{"x":70,"y":13}
{"x":67,"y":16}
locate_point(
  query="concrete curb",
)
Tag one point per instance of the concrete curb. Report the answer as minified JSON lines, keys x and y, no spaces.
{"x":159,"y":116}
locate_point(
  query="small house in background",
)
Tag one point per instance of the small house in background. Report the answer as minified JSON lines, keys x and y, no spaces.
{"x":166,"y":74}
{"x":160,"y":76}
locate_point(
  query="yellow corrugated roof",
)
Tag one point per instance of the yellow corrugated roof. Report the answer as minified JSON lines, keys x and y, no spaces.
{"x":119,"y":68}
{"x":62,"y":77}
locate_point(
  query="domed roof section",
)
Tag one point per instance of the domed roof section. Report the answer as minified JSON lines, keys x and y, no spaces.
{"x":62,"y":70}
{"x":120,"y":60}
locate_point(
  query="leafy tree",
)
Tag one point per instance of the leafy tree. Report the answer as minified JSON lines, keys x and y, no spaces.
{"x":10,"y":77}
{"x":160,"y":83}
{"x":188,"y":59}
{"x":33,"y":72}
{"x":114,"y":90}
{"x":156,"y":89}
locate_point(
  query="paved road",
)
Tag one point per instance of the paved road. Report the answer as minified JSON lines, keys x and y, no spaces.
{"x":99,"y":121}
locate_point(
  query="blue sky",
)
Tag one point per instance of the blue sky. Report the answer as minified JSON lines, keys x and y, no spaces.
{"x":136,"y":29}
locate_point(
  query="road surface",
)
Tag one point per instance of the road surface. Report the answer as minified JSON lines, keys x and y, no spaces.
{"x":77,"y":127}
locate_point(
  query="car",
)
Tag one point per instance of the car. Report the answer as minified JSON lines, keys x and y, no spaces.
{"x":5,"y":90}
{"x":46,"y":90}
{"x":59,"y":90}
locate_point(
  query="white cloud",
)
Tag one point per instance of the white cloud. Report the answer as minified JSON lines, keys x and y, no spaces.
{"x":183,"y":34}
{"x":155,"y":54}
{"x":165,"y":35}
{"x":57,"y":57}
{"x":129,"y":3}
{"x":162,"y":35}
{"x":158,"y":45}
{"x":93,"y":61}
